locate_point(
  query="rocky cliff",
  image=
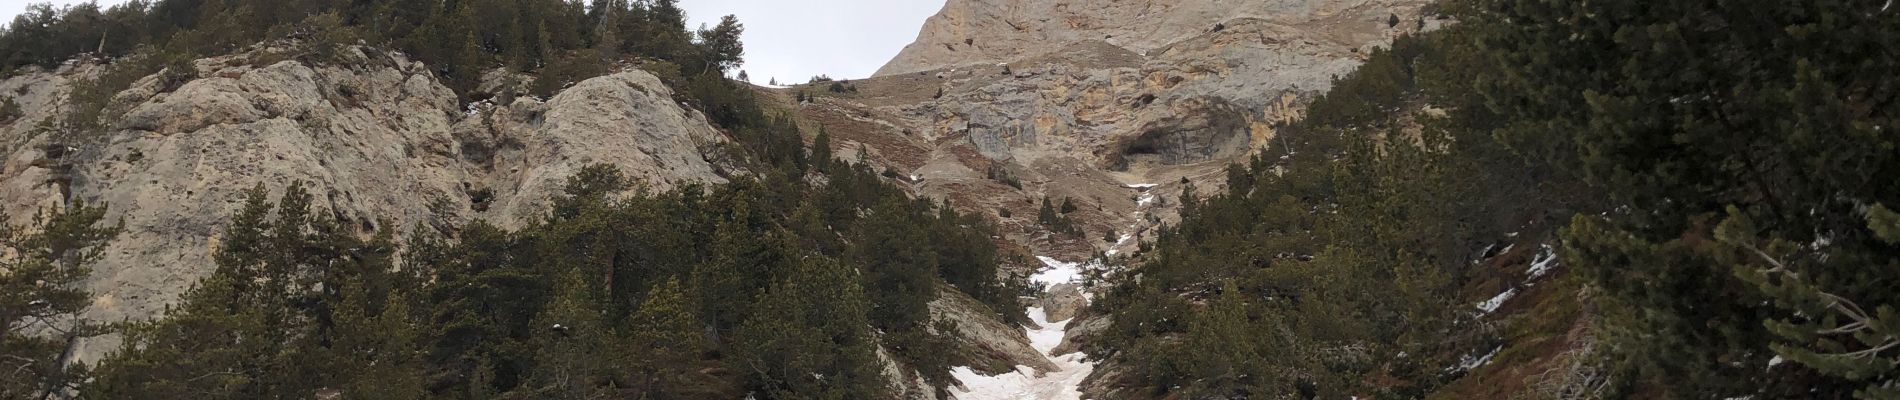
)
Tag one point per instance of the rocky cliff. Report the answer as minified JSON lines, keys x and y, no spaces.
{"x":972,"y":32}
{"x":374,"y":138}
{"x":1093,"y":100}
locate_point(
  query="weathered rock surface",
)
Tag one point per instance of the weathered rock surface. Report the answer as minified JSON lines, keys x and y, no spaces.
{"x":1062,"y":302}
{"x":376,"y":138}
{"x":992,"y":345}
{"x":1080,"y":98}
{"x":969,"y":32}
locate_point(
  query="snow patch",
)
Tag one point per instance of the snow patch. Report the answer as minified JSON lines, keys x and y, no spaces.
{"x":1467,"y":362}
{"x":1482,"y":253}
{"x":1542,"y":263}
{"x":1141,"y":186}
{"x":1025,"y":383}
{"x":1049,"y":335}
{"x":1058,"y":273}
{"x":1489,"y":306}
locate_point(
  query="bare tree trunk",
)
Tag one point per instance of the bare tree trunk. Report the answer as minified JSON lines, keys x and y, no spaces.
{"x":6,"y":326}
{"x":56,"y":378}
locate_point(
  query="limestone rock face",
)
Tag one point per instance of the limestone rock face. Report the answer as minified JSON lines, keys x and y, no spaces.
{"x":530,"y":148}
{"x":970,"y":32}
{"x":992,"y":345}
{"x":374,"y":138}
{"x":1079,"y":99}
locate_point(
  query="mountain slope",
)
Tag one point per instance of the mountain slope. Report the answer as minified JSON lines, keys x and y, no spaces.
{"x":979,"y":32}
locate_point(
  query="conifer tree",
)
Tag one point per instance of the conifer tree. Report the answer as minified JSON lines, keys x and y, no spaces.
{"x":821,"y":157}
{"x":39,"y":275}
{"x":667,"y":37}
{"x":721,"y":47}
{"x":899,"y":268}
{"x":809,"y":337}
{"x":577,"y":357}
{"x":666,"y":337}
{"x":744,"y":260}
{"x":1226,"y":349}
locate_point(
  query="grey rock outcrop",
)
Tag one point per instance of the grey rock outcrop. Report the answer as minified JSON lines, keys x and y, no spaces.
{"x":1062,"y":302}
{"x":374,"y":140}
{"x":992,"y":345}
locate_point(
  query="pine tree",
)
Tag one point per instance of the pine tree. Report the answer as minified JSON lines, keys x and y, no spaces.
{"x":899,"y":268}
{"x":1227,"y":353}
{"x":39,"y":280}
{"x":483,"y":298}
{"x":744,"y":260}
{"x":371,"y":353}
{"x":1850,"y":341}
{"x":221,"y":342}
{"x":809,"y":337}
{"x":667,"y":339}
{"x":576,"y":356}
{"x":821,"y":157}
{"x":1046,"y":215}
{"x":720,"y":45}
{"x":667,"y":38}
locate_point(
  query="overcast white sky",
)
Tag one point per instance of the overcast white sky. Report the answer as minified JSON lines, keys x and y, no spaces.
{"x":789,"y":40}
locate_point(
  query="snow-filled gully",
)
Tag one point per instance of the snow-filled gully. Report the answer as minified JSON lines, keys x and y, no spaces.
{"x":1026,"y":383}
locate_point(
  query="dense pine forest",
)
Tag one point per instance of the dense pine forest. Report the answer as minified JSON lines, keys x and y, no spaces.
{"x":785,"y":283}
{"x":695,"y":293}
{"x":1718,"y":175}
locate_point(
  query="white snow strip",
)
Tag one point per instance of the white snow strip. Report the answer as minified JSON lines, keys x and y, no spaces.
{"x":1049,"y":336}
{"x":1063,"y":383}
{"x":1482,"y":253}
{"x":1467,"y":362}
{"x":1142,"y":186}
{"x":1491,"y":305}
{"x":1542,"y":263}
